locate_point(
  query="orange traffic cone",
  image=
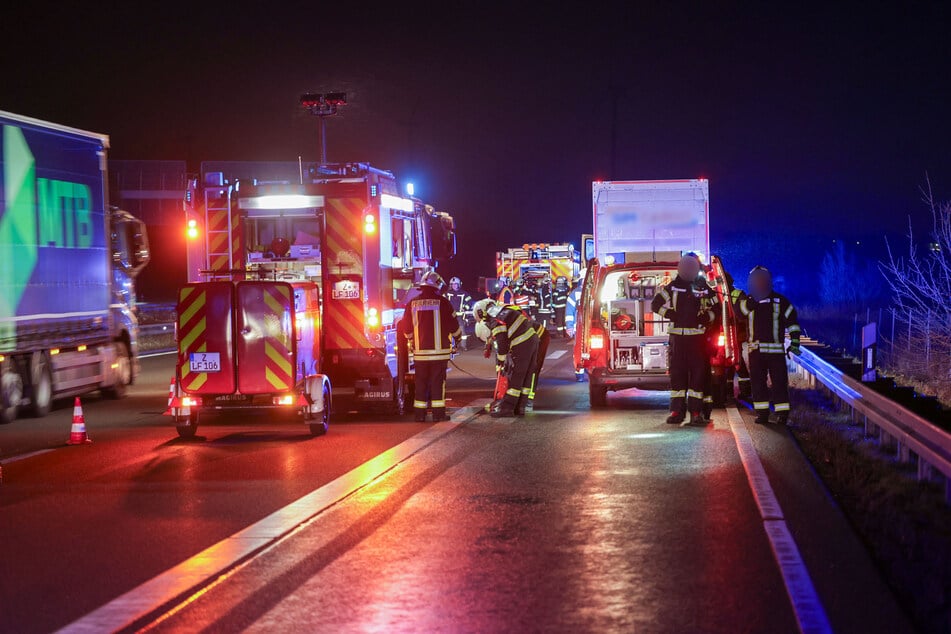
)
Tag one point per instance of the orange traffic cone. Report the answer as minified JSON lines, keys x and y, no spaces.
{"x":77,"y":434}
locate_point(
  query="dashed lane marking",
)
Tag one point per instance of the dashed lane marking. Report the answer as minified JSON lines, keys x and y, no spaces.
{"x":178,"y":582}
{"x":810,"y":615}
{"x":557,"y":354}
{"x":24,"y":456}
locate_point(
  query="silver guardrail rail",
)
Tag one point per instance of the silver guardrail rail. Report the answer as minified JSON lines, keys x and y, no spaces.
{"x":911,"y":436}
{"x":146,"y":330}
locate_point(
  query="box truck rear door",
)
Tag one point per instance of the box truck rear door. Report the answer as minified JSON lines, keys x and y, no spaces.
{"x":266,"y":343}
{"x":205,"y":338}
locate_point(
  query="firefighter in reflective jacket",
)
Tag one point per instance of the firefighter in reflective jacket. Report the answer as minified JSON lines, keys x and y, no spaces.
{"x":742,"y":369}
{"x":516,"y":342}
{"x":506,"y":295}
{"x":462,"y":308}
{"x":429,"y":324}
{"x":689,"y":307}
{"x":559,"y":302}
{"x":769,"y":316}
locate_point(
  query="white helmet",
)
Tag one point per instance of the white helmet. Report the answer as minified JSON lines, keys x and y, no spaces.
{"x":481,"y":309}
{"x":483,"y":331}
{"x":432,"y":279}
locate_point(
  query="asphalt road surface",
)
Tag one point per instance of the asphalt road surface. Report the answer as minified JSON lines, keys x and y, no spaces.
{"x":567,"y":520}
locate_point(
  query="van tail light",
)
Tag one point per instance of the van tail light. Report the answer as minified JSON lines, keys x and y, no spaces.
{"x":596,"y":341}
{"x":721,"y":341}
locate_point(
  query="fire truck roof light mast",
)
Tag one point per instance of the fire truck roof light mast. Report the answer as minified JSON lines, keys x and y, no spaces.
{"x":323,"y":105}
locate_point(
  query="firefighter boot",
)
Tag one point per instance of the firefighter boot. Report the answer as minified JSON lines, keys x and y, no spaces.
{"x":762,"y":417}
{"x":697,"y":420}
{"x":781,"y":418}
{"x":520,"y":406}
{"x":439,"y":415}
{"x":506,"y":409}
{"x":675,"y":418}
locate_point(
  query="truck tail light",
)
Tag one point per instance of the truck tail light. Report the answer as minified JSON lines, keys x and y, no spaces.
{"x":373,"y":318}
{"x":369,"y":224}
{"x":286,"y":399}
{"x":721,"y":340}
{"x":191,"y":401}
{"x":192,"y":229}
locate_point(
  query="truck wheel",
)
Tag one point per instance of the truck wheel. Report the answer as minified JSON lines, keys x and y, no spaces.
{"x":597,"y":395}
{"x":41,"y":397}
{"x":187,"y":426}
{"x":11,"y":393}
{"x":123,"y":372}
{"x":319,"y":423}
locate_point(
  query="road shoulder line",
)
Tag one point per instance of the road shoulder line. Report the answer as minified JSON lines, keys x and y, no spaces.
{"x":189,"y":576}
{"x":810,"y":615}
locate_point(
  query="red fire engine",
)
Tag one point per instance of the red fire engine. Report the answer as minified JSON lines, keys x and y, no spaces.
{"x":297,"y":287}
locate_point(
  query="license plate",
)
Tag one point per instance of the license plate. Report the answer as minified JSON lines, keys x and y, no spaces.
{"x":204,"y":362}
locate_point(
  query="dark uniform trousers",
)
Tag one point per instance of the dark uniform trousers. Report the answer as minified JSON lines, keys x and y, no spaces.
{"x":765,"y":368}
{"x":430,"y":387}
{"x":521,"y":365}
{"x":543,"y":340}
{"x":688,"y":372}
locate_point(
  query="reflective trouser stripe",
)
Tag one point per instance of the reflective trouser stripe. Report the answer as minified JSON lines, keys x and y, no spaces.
{"x":694,"y":394}
{"x":686,"y":331}
{"x":761,"y":405}
{"x":439,"y":404}
{"x":708,"y":399}
{"x":743,"y":378}
{"x":420,"y":404}
{"x":513,"y":392}
{"x":768,"y":347}
{"x":678,"y":393}
{"x":781,"y":407}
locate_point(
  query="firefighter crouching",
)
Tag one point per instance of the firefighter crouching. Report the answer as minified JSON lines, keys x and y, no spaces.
{"x":690,"y":308}
{"x":516,"y":341}
{"x":769,"y":316}
{"x":429,"y":325}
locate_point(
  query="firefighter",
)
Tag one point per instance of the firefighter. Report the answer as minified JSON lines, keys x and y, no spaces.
{"x":543,"y":301}
{"x":685,"y":304}
{"x":521,"y":297}
{"x":506,"y":295}
{"x":769,"y":316}
{"x":462,"y":308}
{"x":742,"y":369}
{"x":559,"y":302}
{"x":516,"y":342}
{"x":430,"y":326}
{"x":711,"y":335}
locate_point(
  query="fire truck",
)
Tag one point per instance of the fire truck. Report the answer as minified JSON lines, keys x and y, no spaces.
{"x":533,"y":261}
{"x":295,"y":290}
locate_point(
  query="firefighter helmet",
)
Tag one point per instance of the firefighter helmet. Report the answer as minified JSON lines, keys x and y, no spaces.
{"x":432,"y":279}
{"x":561,"y":283}
{"x":454,"y":282}
{"x":481,"y":309}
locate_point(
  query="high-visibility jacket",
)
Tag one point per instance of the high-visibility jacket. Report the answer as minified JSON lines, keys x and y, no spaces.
{"x":429,"y":323}
{"x":559,"y":297}
{"x":506,"y":296}
{"x":461,"y":302}
{"x":768,"y":320}
{"x":523,"y":299}
{"x":511,"y":327}
{"x":543,"y":297}
{"x":689,"y":306}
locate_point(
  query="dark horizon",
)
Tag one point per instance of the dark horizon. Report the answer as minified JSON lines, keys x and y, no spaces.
{"x":810,"y":126}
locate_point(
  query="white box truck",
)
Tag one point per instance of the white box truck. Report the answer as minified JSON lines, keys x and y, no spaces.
{"x":641,"y":230}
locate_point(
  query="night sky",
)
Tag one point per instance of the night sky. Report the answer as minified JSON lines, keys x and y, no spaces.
{"x":812,"y":124}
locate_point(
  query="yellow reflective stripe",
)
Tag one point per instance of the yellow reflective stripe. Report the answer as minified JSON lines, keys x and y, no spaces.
{"x":498,"y":330}
{"x":439,"y":404}
{"x":522,"y":338}
{"x":513,"y":392}
{"x":761,"y":405}
{"x":788,"y":312}
{"x":432,"y":356}
{"x":678,"y":393}
{"x":694,"y":394}
{"x":419,"y":404}
{"x":781,"y":407}
{"x":514,"y":326}
{"x":707,"y":399}
{"x":501,"y":357}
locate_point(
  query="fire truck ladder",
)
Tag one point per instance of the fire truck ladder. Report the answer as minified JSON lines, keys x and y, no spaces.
{"x":218,"y":231}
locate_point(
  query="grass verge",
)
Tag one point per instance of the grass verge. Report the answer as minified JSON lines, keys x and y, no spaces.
{"x":905,"y":524}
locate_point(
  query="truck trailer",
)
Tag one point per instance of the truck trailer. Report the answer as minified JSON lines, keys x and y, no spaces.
{"x":295,"y":290}
{"x":68,"y":262}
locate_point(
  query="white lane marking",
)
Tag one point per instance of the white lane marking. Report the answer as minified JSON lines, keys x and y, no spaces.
{"x":810,"y":615}
{"x":156,"y":354}
{"x":24,"y":456}
{"x":557,"y":354}
{"x":185,"y":578}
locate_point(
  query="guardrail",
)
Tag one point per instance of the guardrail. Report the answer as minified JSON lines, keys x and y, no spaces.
{"x":150,"y":330}
{"x":912,"y":437}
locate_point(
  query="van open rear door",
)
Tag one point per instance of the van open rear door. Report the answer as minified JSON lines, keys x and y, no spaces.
{"x":585,"y":314}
